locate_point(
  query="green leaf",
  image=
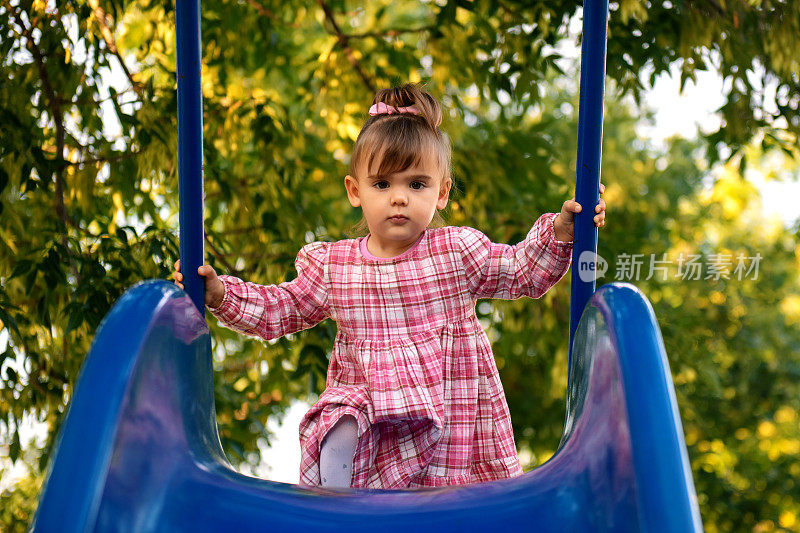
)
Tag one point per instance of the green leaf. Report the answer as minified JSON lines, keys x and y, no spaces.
{"x":9,"y":322}
{"x":3,"y":179}
{"x":14,"y":447}
{"x":122,"y":235}
{"x":76,"y":318}
{"x":22,"y":267}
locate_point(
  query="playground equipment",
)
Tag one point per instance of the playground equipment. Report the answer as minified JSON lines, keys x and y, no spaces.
{"x":139,"y":448}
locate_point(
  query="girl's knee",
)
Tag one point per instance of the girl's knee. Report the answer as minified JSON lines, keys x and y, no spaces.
{"x":345,"y":428}
{"x":336,"y":453}
{"x":348,"y":423}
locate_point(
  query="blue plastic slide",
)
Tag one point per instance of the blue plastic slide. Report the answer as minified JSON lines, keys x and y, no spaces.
{"x":139,"y":449}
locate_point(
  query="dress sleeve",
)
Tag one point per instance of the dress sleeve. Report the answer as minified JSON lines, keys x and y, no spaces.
{"x":507,"y":272}
{"x":271,"y":311}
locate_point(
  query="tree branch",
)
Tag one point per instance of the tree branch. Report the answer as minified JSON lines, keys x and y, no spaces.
{"x":108,"y":37}
{"x":53,"y":103}
{"x":91,"y":102}
{"x":106,"y":159}
{"x":221,"y":258}
{"x":248,"y":229}
{"x":263,"y":11}
{"x":342,"y":39}
{"x":388,"y":33}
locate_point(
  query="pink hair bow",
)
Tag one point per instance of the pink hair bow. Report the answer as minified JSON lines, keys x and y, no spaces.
{"x":382,"y":109}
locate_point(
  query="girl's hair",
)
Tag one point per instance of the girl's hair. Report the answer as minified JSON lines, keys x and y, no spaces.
{"x":400,"y":140}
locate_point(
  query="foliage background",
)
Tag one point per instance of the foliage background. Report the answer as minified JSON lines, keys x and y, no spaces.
{"x":88,"y":200}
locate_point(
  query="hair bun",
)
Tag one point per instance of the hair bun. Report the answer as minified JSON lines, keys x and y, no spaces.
{"x":411,"y":94}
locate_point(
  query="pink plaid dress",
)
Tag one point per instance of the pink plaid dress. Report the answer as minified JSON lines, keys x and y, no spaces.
{"x":410,"y":361}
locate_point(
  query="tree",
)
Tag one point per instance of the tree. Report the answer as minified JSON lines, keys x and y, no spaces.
{"x":88,"y":185}
{"x":730,"y":333}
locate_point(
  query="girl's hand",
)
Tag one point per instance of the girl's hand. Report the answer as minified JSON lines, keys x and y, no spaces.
{"x":215,"y":290}
{"x":565,"y":221}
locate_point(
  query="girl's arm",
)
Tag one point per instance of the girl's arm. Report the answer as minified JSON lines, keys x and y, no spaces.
{"x":507,"y":272}
{"x":271,"y":311}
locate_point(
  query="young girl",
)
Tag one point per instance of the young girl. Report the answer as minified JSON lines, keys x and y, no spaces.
{"x":413,"y":395}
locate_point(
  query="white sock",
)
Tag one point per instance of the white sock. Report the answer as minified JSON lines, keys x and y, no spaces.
{"x":336,"y":453}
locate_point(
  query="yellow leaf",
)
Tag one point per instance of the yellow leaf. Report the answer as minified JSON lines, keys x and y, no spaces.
{"x":241,"y":384}
{"x":789,"y":447}
{"x":790,"y":307}
{"x":785,"y":414}
{"x":787,"y":519}
{"x":766,"y":429}
{"x":717,"y":298}
{"x":462,"y":15}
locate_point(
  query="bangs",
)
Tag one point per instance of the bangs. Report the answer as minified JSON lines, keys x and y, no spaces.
{"x":407,"y":143}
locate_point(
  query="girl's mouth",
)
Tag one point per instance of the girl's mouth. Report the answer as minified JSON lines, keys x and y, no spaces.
{"x":398,"y":219}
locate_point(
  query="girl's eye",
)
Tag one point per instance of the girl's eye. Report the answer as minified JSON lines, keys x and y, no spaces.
{"x":417,"y":185}
{"x":382,"y":184}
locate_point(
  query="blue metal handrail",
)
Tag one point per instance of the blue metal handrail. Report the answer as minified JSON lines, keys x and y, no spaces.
{"x":590,"y":140}
{"x":190,"y":147}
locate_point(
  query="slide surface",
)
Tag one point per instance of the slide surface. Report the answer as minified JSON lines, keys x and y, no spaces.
{"x":139,"y":449}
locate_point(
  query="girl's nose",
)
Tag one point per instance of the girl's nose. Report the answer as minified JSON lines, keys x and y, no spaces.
{"x":399,"y":198}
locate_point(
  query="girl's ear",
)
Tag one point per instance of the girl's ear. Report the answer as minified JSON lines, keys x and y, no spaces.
{"x":444,"y":194}
{"x":351,"y":185}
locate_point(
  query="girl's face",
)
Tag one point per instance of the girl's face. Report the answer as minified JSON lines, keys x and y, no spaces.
{"x":398,"y":207}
